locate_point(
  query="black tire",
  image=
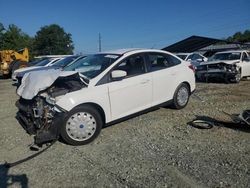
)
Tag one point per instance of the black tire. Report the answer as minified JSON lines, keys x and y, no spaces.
{"x":82,"y":109}
{"x":176,"y":101}
{"x":236,"y":78}
{"x":17,"y":65}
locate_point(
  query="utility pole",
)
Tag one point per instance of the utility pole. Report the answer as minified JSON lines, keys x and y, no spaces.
{"x":100,"y":42}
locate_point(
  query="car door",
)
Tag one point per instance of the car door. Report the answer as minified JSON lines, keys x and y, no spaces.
{"x":133,"y":93}
{"x":245,"y":65}
{"x":165,"y":70}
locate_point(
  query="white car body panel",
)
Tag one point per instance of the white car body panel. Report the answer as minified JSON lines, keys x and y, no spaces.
{"x":96,"y":95}
{"x":130,"y":95}
{"x":121,"y":98}
{"x":245,"y":68}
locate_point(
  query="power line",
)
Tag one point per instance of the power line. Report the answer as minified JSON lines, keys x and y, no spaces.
{"x":100,"y":42}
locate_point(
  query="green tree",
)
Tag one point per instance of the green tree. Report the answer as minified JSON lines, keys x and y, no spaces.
{"x":52,"y":39}
{"x":13,"y":38}
{"x":240,"y":37}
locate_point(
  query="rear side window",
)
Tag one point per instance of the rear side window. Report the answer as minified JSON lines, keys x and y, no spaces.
{"x":159,"y":61}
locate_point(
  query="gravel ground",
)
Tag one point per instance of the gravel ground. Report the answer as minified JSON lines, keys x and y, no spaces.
{"x":156,"y":149}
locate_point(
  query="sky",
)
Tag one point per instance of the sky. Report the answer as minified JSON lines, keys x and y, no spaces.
{"x":129,"y":23}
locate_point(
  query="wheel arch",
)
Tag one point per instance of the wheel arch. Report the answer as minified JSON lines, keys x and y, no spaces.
{"x":97,"y":107}
{"x":189,"y":86}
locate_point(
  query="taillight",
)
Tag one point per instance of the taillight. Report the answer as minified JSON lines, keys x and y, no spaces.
{"x":192,"y":67}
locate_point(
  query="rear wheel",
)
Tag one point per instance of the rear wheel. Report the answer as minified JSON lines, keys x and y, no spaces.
{"x":181,"y":96}
{"x":82,"y":125}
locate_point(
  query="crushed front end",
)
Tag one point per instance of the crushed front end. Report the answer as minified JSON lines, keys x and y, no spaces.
{"x":39,"y":115}
{"x":39,"y":118}
{"x":219,"y":70}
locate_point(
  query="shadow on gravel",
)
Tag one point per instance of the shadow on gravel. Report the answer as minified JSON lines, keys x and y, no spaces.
{"x":231,"y":125}
{"x":7,"y":180}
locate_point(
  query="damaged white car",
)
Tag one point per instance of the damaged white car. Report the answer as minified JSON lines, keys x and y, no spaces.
{"x":230,"y":66}
{"x":98,"y":90}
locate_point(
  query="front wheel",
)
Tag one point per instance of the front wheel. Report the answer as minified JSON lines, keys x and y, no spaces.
{"x":81,"y":125}
{"x":181,"y":96}
{"x":236,"y":78}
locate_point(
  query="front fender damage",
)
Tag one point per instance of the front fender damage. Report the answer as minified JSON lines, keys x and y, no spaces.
{"x":39,"y":115}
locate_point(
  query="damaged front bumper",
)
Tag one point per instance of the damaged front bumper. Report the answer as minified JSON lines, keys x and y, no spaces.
{"x":215,"y":74}
{"x":221,"y":70}
{"x":40,"y":119}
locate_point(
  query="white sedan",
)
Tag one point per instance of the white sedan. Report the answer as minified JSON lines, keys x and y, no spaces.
{"x":101,"y":89}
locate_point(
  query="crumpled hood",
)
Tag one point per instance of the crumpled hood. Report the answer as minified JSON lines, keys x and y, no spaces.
{"x":229,"y":62}
{"x":36,"y":81}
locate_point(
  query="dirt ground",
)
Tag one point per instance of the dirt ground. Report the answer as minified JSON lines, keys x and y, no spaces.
{"x":156,"y":149}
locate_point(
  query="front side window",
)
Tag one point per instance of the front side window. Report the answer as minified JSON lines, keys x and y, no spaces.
{"x":244,"y":57}
{"x":133,"y":65}
{"x":162,"y":61}
{"x":92,"y":65}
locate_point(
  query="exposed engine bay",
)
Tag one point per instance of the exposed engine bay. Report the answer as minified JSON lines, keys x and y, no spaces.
{"x":228,"y":72}
{"x":40,"y":116}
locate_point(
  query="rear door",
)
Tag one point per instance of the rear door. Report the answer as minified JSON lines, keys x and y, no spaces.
{"x":165,"y":69}
{"x":133,"y":93}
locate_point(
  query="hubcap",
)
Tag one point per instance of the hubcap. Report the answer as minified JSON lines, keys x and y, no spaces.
{"x":81,"y":126}
{"x":237,"y":77}
{"x":182,"y":96}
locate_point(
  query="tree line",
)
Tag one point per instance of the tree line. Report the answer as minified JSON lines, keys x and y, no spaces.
{"x":52,"y":39}
{"x":49,"y":40}
{"x":240,"y":37}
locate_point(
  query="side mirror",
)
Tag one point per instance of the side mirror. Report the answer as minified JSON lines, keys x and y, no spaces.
{"x":118,"y":74}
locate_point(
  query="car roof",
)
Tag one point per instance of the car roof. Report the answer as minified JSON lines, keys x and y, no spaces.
{"x":120,"y":51}
{"x":131,"y":50}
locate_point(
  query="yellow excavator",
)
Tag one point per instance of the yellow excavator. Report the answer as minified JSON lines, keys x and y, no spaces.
{"x":11,"y":60}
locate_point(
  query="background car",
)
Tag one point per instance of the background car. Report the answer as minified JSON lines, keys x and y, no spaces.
{"x":45,"y":62}
{"x":229,"y":66}
{"x":59,"y":64}
{"x":194,"y":58}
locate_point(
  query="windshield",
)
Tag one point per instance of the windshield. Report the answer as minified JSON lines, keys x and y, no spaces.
{"x":226,"y":56}
{"x":65,"y":61}
{"x":92,"y":65}
{"x":35,"y":62}
{"x":183,"y":57}
{"x":44,"y":62}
